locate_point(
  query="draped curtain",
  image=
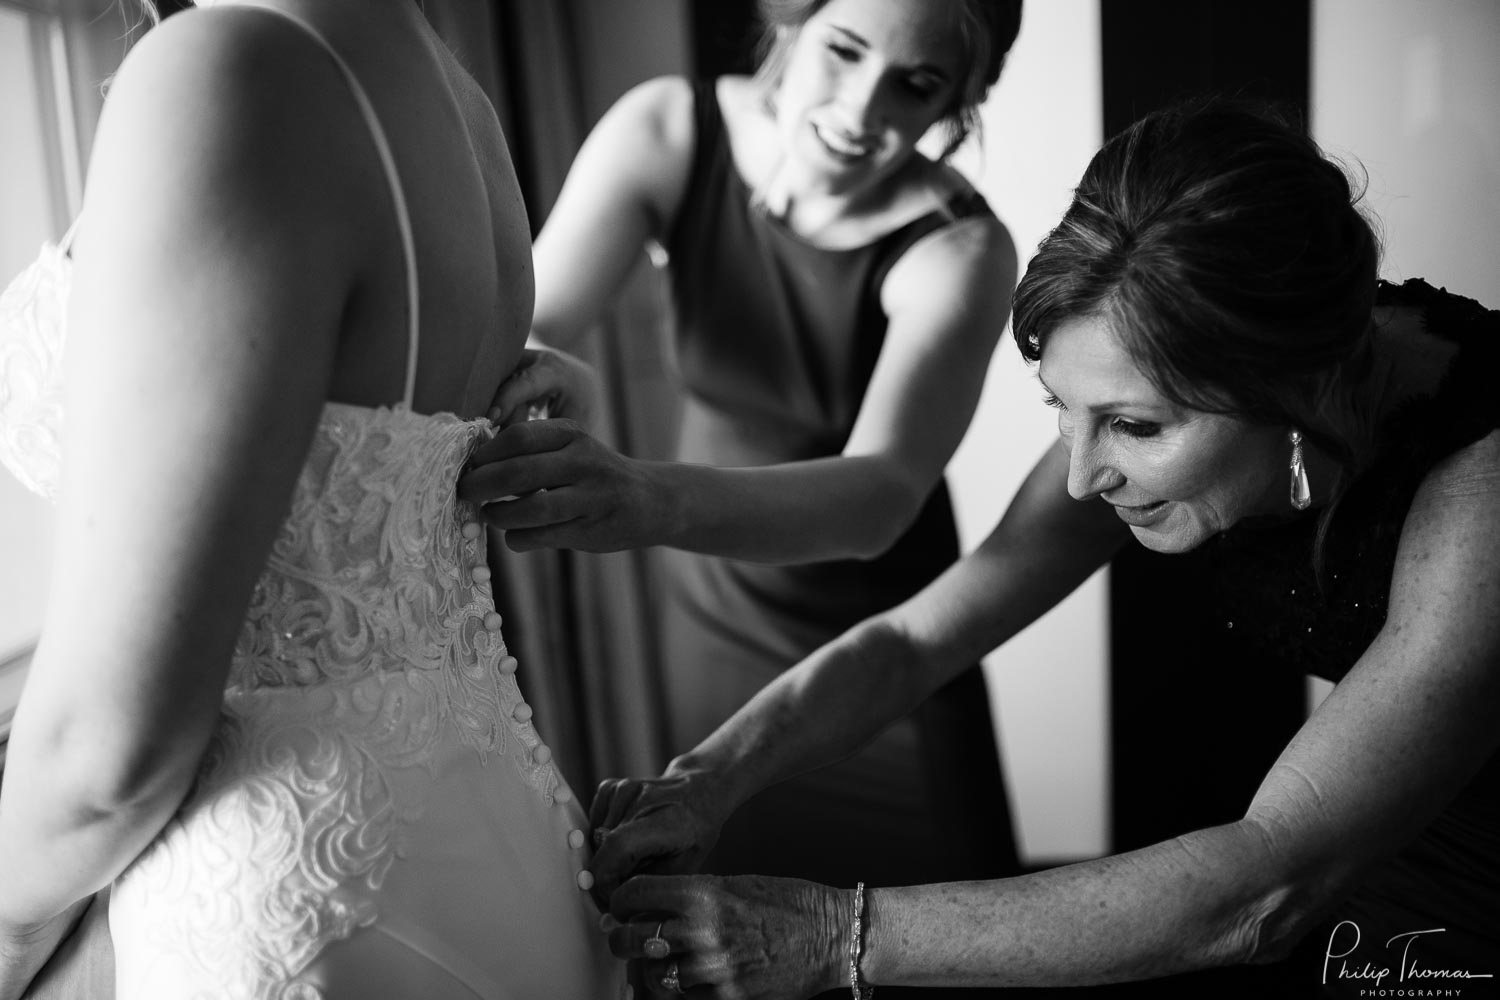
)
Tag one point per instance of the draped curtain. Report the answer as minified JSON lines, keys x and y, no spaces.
{"x":583,"y":625}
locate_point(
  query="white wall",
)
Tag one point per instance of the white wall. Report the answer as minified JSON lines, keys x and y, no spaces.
{"x":1410,"y":92}
{"x":1048,"y":685}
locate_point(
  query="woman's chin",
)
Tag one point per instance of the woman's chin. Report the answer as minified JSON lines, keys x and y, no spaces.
{"x":1169,"y":539}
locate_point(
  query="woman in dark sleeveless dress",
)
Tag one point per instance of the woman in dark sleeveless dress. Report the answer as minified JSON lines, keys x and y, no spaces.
{"x":1230,"y":373}
{"x":837,"y":298}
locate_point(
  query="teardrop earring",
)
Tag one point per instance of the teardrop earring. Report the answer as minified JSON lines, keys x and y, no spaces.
{"x":1300,"y":493}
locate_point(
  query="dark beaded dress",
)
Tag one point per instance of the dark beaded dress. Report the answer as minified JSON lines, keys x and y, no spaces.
{"x":1291,"y":616}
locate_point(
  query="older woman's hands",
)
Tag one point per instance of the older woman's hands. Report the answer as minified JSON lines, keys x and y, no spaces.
{"x":664,"y":825}
{"x":548,"y":484}
{"x":745,"y":936}
{"x":551,"y":382}
{"x":739,"y":937}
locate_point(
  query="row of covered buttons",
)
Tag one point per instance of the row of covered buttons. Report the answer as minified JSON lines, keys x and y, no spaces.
{"x":492,"y":622}
{"x":543,"y":753}
{"x":481,"y":573}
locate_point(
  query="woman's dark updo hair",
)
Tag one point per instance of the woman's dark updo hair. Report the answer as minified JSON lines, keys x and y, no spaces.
{"x":986,"y":31}
{"x":1230,"y":256}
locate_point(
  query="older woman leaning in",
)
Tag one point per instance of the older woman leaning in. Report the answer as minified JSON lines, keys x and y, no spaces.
{"x":1228,"y":372}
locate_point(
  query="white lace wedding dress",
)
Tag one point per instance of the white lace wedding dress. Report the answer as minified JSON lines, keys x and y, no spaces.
{"x":376,"y":815}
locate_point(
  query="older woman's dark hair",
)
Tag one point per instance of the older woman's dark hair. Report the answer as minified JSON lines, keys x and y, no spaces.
{"x":1228,"y":252}
{"x":986,"y":30}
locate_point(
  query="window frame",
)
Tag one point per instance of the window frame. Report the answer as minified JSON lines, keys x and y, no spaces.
{"x":62,"y":146}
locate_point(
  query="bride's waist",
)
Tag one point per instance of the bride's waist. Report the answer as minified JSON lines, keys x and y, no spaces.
{"x":407,"y":706}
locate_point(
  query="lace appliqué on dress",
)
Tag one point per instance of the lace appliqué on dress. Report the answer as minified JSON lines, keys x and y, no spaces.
{"x":364,"y":650}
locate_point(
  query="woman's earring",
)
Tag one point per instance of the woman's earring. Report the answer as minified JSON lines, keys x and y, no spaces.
{"x":1301,"y":493}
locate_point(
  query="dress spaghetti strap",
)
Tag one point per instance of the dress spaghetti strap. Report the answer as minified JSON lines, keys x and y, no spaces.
{"x":398,"y":197}
{"x":65,"y":245}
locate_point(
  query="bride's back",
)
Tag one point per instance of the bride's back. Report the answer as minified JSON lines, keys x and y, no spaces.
{"x":451,"y":166}
{"x":473,"y":245}
{"x":296,"y":742}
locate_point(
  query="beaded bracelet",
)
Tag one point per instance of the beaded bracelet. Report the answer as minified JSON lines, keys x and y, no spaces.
{"x":856,"y":940}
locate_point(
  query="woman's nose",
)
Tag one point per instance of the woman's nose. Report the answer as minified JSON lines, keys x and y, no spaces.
{"x":861,"y":100}
{"x":1089,"y":472}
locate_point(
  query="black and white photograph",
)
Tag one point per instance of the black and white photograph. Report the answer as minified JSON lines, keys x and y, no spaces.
{"x":749,"y":499}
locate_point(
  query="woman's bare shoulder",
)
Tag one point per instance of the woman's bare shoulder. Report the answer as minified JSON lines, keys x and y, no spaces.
{"x":971,"y":252}
{"x":659,"y":109}
{"x":214,"y":54}
{"x":237,"y":89}
{"x":1472,"y":473}
{"x":1453,"y":525}
{"x":218,"y":121}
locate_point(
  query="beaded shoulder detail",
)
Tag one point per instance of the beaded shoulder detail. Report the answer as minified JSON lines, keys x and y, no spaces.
{"x":1284,"y":611}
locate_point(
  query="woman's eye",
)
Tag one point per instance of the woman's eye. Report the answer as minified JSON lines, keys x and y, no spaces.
{"x":1134,"y":429}
{"x":921,"y":90}
{"x":843,"y":52}
{"x":1052,"y":401}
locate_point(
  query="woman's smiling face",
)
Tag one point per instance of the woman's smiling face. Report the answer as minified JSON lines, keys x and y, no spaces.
{"x":1176,"y":475}
{"x":864,"y":80}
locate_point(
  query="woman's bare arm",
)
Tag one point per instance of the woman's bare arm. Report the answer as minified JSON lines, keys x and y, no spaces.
{"x":212,"y":268}
{"x":1409,"y":725}
{"x":621,"y":191}
{"x":947,"y":301}
{"x":845,"y":693}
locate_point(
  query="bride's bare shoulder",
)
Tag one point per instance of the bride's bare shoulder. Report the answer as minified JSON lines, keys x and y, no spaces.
{"x":222,"y":54}
{"x":224,"y":105}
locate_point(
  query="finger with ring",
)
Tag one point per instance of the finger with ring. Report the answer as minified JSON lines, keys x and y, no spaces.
{"x":656,"y":945}
{"x":670,"y":981}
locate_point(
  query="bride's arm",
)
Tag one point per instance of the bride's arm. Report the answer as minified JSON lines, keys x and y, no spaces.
{"x":211,"y":273}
